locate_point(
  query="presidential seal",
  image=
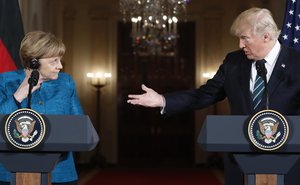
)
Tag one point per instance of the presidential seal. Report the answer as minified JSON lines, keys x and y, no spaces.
{"x":268,"y":130}
{"x":25,"y":129}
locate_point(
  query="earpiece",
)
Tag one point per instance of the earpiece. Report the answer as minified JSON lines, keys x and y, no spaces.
{"x":34,"y":64}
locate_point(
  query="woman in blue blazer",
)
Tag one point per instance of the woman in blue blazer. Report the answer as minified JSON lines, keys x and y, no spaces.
{"x":55,"y":92}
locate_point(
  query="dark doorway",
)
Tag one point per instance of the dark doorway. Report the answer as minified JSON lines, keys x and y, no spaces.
{"x":145,"y":137}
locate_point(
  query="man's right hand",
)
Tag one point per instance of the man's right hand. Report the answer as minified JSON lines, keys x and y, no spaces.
{"x":149,"y":99}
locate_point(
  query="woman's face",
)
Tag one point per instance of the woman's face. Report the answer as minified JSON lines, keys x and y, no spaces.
{"x":49,"y":68}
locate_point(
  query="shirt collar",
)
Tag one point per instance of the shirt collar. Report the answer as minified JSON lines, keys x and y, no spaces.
{"x":273,"y":54}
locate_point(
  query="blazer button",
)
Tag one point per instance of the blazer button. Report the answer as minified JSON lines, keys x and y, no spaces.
{"x":41,"y":103}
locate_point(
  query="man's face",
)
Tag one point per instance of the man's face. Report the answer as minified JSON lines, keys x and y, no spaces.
{"x":254,"y":46}
{"x":50,"y":68}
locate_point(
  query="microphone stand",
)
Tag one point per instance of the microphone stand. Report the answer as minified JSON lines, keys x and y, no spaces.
{"x":32,"y":81}
{"x":29,"y":96}
{"x":266,"y":91}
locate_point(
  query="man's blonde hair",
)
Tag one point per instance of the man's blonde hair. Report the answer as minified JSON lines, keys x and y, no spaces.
{"x":258,"y":20}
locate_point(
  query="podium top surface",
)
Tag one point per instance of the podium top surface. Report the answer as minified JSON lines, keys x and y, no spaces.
{"x":221,"y":133}
{"x":64,"y":133}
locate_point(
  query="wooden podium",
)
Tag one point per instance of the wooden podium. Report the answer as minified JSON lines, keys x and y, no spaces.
{"x":228,"y":134}
{"x":65,"y":133}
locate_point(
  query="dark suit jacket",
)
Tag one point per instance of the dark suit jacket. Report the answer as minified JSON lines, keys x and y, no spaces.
{"x":232,"y":81}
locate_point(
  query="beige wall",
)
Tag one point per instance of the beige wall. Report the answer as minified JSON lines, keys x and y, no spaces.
{"x":88,"y":28}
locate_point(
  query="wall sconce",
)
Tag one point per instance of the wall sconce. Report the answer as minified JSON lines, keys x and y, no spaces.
{"x":98,"y":79}
{"x":208,"y":75}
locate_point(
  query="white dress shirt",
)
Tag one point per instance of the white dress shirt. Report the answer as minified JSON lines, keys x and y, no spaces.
{"x":271,"y":59}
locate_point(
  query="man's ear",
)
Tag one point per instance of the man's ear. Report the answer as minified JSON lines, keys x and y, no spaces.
{"x":267,"y":37}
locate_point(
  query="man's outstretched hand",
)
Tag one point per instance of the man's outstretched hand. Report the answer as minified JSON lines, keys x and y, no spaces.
{"x":149,"y":99}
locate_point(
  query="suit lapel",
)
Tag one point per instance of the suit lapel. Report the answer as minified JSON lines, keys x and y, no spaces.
{"x":276,"y":78}
{"x":245,"y":81}
{"x":278,"y":71}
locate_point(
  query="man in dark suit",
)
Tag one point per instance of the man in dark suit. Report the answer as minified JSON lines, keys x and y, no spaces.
{"x":258,"y":40}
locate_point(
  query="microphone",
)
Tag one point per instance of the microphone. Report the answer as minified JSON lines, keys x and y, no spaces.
{"x":34,"y":78}
{"x":262,"y":72}
{"x":32,"y":81}
{"x":260,"y":68}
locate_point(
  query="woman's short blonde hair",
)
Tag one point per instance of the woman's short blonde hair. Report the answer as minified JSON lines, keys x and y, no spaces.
{"x":39,"y":44}
{"x":258,"y":20}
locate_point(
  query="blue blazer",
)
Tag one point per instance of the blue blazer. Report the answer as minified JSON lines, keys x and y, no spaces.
{"x":54,"y":97}
{"x":232,"y":81}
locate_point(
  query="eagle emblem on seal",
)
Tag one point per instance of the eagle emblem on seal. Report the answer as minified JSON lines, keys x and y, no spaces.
{"x":25,"y":129}
{"x":268,"y":130}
